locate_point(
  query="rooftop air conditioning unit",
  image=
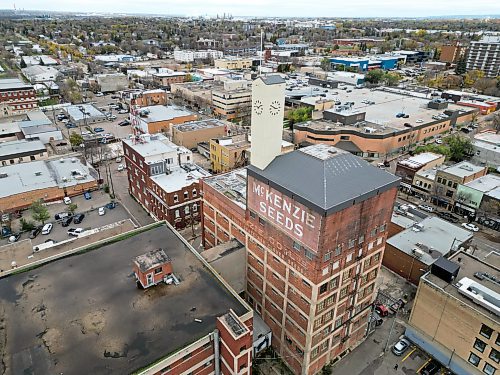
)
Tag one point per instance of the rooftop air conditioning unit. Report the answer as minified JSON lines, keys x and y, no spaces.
{"x":417,"y":253}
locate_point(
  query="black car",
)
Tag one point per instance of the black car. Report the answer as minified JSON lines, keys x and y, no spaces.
{"x":111,"y":205}
{"x":431,"y":368}
{"x":66,"y":221}
{"x":78,"y":218}
{"x":448,"y":217}
{"x":124,"y":123}
{"x":62,"y":215}
{"x":35,"y":232}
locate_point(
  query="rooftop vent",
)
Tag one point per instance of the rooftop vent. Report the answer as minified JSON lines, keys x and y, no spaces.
{"x":61,"y":160}
{"x":3,"y":175}
{"x":73,"y":160}
{"x":466,"y":167}
{"x":38,"y":173}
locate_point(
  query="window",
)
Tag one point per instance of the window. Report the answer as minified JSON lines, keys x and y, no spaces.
{"x":370,"y":246}
{"x":338,"y":249}
{"x":186,"y":195}
{"x":373,"y":232}
{"x":252,"y":215}
{"x":497,"y":342}
{"x":494,"y":355}
{"x":489,"y":369}
{"x":296,"y":246}
{"x":361,"y":239}
{"x":177,"y":214}
{"x":333,"y":283}
{"x":158,"y":270}
{"x":261,"y":221}
{"x":351,"y":244}
{"x":439,"y":180}
{"x":330,"y":300}
{"x":474,"y":359}
{"x":479,"y":345}
{"x":176,"y":198}
{"x":317,"y":323}
{"x":382,"y":227}
{"x":309,"y":254}
{"x":379,"y":240}
{"x":327,"y":256}
{"x":195,"y":193}
{"x":195,"y":207}
{"x":343,"y":292}
{"x":186,"y":210}
{"x":486,"y":331}
{"x":306,"y":283}
{"x":348,"y":258}
{"x":323,"y":288}
{"x":243,"y":348}
{"x":321,"y":306}
{"x":338,"y":323}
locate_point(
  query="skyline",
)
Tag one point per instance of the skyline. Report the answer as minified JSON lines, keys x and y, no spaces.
{"x":269,"y":8}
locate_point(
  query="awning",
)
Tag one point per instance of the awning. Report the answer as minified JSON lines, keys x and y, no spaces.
{"x":404,"y":184}
{"x":464,"y":207}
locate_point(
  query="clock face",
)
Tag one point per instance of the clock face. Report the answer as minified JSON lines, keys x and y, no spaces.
{"x":274,"y":107}
{"x":258,"y":107}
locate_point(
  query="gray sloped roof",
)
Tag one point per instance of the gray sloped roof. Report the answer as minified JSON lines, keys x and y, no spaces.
{"x":273,"y":79}
{"x":325,"y":178}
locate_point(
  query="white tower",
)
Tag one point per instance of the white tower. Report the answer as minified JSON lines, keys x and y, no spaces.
{"x":268,"y":104}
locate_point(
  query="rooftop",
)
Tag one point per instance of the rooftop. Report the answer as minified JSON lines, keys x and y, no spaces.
{"x":489,"y":137}
{"x":197,"y":125}
{"x":487,"y":184}
{"x":232,"y":185}
{"x":151,"y":144}
{"x":13,"y":84}
{"x":110,"y":325}
{"x":156,"y":113}
{"x":234,"y":142}
{"x":180,"y":177}
{"x":42,"y":174}
{"x":76,"y":112}
{"x":325,"y":178}
{"x":152,"y":259}
{"x":420,"y":160}
{"x":21,"y":147}
{"x":434,"y":238}
{"x":470,"y":266}
{"x":428,"y":173}
{"x":463,"y":169}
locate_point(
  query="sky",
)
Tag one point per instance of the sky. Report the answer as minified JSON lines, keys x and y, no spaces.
{"x":271,"y":8}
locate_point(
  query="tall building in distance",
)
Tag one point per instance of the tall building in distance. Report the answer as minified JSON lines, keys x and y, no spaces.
{"x":484,"y":55}
{"x":314,"y":223}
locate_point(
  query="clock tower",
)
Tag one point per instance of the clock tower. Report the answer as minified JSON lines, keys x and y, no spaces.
{"x":268,"y":104}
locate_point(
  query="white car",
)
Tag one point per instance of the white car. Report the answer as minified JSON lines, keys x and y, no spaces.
{"x":118,"y":159}
{"x":47,"y":228}
{"x":419,"y":121}
{"x":425,"y":207}
{"x":67,"y":200}
{"x":75,"y":231}
{"x":112,"y":117}
{"x":470,"y":227}
{"x":123,"y":111}
{"x":439,"y":141}
{"x":99,"y":94}
{"x":65,"y":120}
{"x":86,"y":132}
{"x":121,"y":167}
{"x":102,"y":211}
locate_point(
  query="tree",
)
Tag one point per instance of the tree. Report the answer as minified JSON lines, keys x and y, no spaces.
{"x":326,"y":65}
{"x":460,"y":147}
{"x":461,"y":67}
{"x":72,"y":207}
{"x":299,"y":115}
{"x":39,"y":211}
{"x":374,"y":76}
{"x":496,"y":122}
{"x":391,"y":79}
{"x":471,"y":77}
{"x":75,"y":139}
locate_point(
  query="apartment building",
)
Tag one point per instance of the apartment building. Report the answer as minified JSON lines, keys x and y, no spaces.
{"x":314,"y":223}
{"x":16,"y":97}
{"x":484,"y":55}
{"x":163,"y":178}
{"x":190,"y":134}
{"x":228,"y":153}
{"x":232,"y":99}
{"x":187,"y":56}
{"x":455,"y":313}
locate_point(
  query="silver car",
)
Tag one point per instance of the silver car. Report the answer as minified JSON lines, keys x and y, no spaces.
{"x":400,"y":347}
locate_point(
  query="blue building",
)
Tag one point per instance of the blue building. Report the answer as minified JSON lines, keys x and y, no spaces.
{"x":364,"y":64}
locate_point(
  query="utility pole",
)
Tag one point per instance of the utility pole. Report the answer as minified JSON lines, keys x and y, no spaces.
{"x":390,"y":332}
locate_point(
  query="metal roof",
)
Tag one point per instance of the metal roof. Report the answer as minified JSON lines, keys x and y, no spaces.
{"x":21,"y":147}
{"x":325,"y":178}
{"x":273,"y":79}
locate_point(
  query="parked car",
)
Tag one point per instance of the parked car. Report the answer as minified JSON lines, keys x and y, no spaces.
{"x":124,"y":123}
{"x":98,"y":130}
{"x":400,"y":115}
{"x":425,"y":207}
{"x":376,"y":320}
{"x":65,"y":120}
{"x":14,"y":237}
{"x":419,"y":121}
{"x":118,"y":159}
{"x":439,"y":141}
{"x":431,"y":368}
{"x":115,"y":97}
{"x":110,"y":205}
{"x":35,"y":232}
{"x":465,"y":130}
{"x":67,"y":200}
{"x":78,"y":218}
{"x":70,"y":125}
{"x":99,"y":94}
{"x":408,"y":125}
{"x":62,"y":215}
{"x":75,"y":231}
{"x":112,"y":117}
{"x":448,"y":217}
{"x":67,"y":221}
{"x":87,"y":195}
{"x":47,"y":228}
{"x":102,"y":211}
{"x":470,"y":227}
{"x":121,"y":167}
{"x":381,"y":309}
{"x":122,"y":111}
{"x":86,"y":132}
{"x":400,"y":347}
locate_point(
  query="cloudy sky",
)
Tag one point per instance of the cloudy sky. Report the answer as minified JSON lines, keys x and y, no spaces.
{"x":277,"y":8}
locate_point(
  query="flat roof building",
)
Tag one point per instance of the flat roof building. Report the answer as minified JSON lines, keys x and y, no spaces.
{"x":487,"y":150}
{"x":21,"y":151}
{"x":16,"y":97}
{"x":455,"y":314}
{"x":199,"y":325}
{"x":190,"y":134}
{"x":160,"y":118}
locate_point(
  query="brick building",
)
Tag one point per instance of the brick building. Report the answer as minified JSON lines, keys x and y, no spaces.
{"x":147,"y":98}
{"x":163,"y":178}
{"x":165,"y":79}
{"x":159,"y":118}
{"x":190,"y":134}
{"x":407,"y":168}
{"x":314,"y":239}
{"x":16,"y":97}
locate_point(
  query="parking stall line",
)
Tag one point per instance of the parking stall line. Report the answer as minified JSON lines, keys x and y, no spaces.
{"x":421,"y":367}
{"x":411,"y":351}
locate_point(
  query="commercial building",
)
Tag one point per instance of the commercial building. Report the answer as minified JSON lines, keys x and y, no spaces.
{"x":186,"y":56}
{"x":448,"y":179}
{"x":163,"y":178}
{"x":166,"y":79}
{"x":146,"y":98}
{"x":112,"y":82}
{"x":37,"y":126}
{"x":484,"y":55}
{"x":232,"y":99}
{"x":233,"y":63}
{"x":411,"y":252}
{"x":84,"y":114}
{"x":454,"y":317}
{"x":40,"y":74}
{"x":197,"y":94}
{"x":451,"y":53}
{"x":480,"y":196}
{"x":363,"y":64}
{"x":228,"y":153}
{"x":21,"y":151}
{"x":43,"y":60}
{"x":160,"y":118}
{"x":314,"y":239}
{"x":16,"y":97}
{"x":190,"y":134}
{"x":49,"y":180}
{"x":486,"y":148}
{"x":407,"y":168}
{"x":197,"y":325}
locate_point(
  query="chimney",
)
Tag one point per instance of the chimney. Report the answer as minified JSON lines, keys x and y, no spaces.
{"x":268,"y":103}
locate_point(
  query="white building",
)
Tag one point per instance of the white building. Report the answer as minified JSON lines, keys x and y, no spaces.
{"x":487,"y":148}
{"x":39,"y":73}
{"x":187,"y":56}
{"x":484,"y":55}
